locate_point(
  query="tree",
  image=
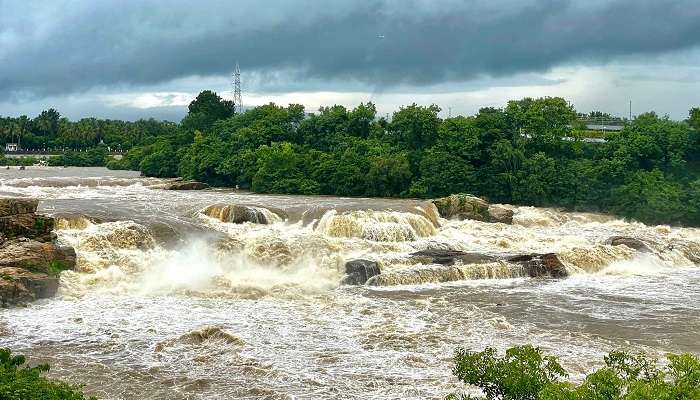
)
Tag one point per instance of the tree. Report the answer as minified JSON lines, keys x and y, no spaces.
{"x":205,"y":110}
{"x":694,"y":118}
{"x":415,"y":127}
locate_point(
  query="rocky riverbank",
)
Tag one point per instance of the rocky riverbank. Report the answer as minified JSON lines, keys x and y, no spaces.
{"x":30,"y":259}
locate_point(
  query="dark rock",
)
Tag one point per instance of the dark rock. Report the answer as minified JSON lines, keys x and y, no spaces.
{"x":500,"y":214}
{"x":189,"y":185}
{"x":630,"y":242}
{"x":541,"y":265}
{"x":359,"y":271}
{"x":449,"y":257}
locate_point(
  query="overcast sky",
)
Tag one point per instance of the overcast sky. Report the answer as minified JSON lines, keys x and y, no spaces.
{"x":132,"y":59}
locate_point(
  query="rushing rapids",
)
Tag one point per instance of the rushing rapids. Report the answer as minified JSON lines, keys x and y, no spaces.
{"x":223,"y":294}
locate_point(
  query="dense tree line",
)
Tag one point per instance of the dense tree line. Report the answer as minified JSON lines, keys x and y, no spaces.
{"x":49,"y":130}
{"x":529,"y":152}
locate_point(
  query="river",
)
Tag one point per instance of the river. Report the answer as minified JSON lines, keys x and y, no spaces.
{"x":170,"y":303}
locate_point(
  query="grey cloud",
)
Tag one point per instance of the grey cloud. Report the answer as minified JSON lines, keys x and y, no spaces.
{"x":54,"y":49}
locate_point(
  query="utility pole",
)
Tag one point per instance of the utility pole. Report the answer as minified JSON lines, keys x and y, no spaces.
{"x":630,"y":110}
{"x":237,"y":98}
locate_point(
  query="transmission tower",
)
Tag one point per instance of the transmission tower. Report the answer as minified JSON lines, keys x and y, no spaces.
{"x":237,"y":99}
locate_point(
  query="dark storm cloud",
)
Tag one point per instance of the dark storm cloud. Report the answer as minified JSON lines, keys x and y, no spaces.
{"x":54,"y":49}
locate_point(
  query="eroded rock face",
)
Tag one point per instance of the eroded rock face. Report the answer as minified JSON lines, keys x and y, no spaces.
{"x":30,"y":261}
{"x":358,"y":272}
{"x":189,"y":185}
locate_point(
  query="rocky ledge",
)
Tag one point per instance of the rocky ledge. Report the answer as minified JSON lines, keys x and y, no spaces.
{"x":186,"y":185}
{"x":30,"y":260}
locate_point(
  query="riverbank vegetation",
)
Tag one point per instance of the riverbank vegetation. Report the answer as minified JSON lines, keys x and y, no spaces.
{"x":21,"y":382}
{"x":524,"y":373}
{"x":529,"y":152}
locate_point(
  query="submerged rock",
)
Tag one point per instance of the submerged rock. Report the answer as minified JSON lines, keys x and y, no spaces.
{"x":418,"y":275}
{"x":201,"y":336}
{"x":541,"y":265}
{"x":188,"y":185}
{"x":358,"y":272}
{"x":238,"y":214}
{"x":632,"y":243}
{"x":449,"y":257}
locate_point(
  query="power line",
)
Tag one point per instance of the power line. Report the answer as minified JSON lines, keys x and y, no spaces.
{"x":237,"y":98}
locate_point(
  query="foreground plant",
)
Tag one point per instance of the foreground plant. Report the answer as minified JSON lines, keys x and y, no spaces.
{"x":523,"y":373}
{"x":18,"y":382}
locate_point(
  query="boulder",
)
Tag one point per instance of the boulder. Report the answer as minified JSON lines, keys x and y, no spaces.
{"x":357,"y":272}
{"x":541,"y":265}
{"x":449,"y":257}
{"x":20,"y":286}
{"x":463,"y":206}
{"x":500,"y":214}
{"x":630,"y":242}
{"x":189,"y":185}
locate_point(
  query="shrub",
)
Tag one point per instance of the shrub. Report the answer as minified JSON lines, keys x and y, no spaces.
{"x":18,"y":382}
{"x":523,"y":373}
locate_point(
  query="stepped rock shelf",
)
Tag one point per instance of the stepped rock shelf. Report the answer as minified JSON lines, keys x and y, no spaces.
{"x":30,"y":258}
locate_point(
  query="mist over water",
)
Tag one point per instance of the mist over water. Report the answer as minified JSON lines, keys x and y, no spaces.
{"x":174,"y":300}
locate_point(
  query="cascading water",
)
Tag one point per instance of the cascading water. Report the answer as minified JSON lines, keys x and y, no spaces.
{"x":221,"y":294}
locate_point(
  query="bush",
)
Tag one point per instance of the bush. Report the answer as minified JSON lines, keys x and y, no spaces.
{"x":18,"y":382}
{"x":523,"y":373}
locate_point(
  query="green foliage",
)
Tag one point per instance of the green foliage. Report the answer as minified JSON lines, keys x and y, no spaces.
{"x":523,"y":373}
{"x":20,"y":382}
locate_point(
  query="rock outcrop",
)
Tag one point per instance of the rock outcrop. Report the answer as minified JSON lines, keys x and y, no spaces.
{"x":358,"y":272}
{"x":187,"y":185}
{"x":465,"y":206}
{"x":30,"y":261}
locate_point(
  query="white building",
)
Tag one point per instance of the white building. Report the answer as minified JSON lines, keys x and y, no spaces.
{"x":11,"y":147}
